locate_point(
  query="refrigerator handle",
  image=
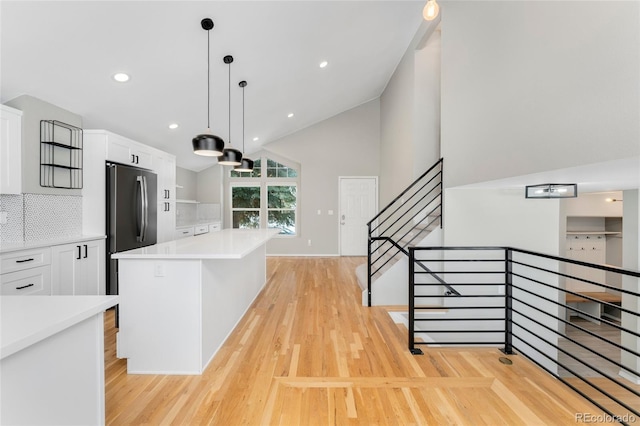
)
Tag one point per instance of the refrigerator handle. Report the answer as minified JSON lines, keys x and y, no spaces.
{"x":146,"y":209}
{"x":141,"y":217}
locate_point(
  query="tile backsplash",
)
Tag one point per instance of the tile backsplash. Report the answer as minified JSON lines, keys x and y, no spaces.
{"x":190,"y":214}
{"x":13,"y":230}
{"x":36,"y":217}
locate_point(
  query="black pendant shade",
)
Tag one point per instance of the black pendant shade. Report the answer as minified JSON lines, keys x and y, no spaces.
{"x":207,"y":144}
{"x":246,"y":165}
{"x":230,"y":157}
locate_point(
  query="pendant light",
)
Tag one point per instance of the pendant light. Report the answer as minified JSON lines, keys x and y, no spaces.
{"x":208,"y":144}
{"x":430,"y":11}
{"x":230,"y":156}
{"x":246,"y":165}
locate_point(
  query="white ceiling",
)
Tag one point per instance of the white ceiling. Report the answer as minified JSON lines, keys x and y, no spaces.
{"x":65,"y":53}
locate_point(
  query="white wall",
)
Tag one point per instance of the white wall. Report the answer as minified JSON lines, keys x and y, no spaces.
{"x":530,"y":86}
{"x":347,"y":144}
{"x":594,"y":205}
{"x":410,"y":115}
{"x":210,"y":185}
{"x":489,"y":217}
{"x":188,"y":180}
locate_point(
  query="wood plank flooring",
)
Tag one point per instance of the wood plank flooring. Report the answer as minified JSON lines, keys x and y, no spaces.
{"x":308,"y":353}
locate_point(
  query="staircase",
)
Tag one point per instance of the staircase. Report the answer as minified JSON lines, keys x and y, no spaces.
{"x":413,"y":218}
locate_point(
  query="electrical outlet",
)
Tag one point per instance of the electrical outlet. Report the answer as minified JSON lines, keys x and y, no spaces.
{"x":309,"y":243}
{"x":159,"y":270}
{"x":3,"y":218}
{"x":319,"y":212}
{"x":330,"y":212}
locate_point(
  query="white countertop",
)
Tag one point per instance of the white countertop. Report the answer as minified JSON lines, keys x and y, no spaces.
{"x":26,"y":320}
{"x":26,"y":245}
{"x":226,"y":244}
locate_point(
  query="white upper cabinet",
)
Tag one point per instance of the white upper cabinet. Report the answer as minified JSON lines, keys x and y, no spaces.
{"x":125,"y":151}
{"x":165,"y":167}
{"x":10,"y":150}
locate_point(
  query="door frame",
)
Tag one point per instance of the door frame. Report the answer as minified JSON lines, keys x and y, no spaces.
{"x":340,"y":179}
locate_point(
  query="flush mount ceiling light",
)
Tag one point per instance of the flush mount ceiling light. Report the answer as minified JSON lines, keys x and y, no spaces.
{"x":552,"y":190}
{"x":430,"y":11}
{"x":207,"y":144}
{"x":173,"y":126}
{"x":256,"y":139}
{"x":230,"y":156}
{"x":121,"y":77}
{"x":246,"y":165}
{"x":290,"y":115}
{"x":323,"y":64}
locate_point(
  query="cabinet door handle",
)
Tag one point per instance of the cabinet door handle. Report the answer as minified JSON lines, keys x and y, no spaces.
{"x":133,"y":159}
{"x":25,"y":260}
{"x":86,"y":251}
{"x":79,"y":252}
{"x":168,"y":206}
{"x":24,"y":286}
{"x":137,"y":160}
{"x":168,"y":193}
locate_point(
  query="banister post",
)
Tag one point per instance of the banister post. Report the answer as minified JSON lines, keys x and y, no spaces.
{"x":369,"y":245}
{"x":508,"y":302}
{"x":411,"y":304}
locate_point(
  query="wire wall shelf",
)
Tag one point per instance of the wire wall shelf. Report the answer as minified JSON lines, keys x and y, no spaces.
{"x":60,"y":155}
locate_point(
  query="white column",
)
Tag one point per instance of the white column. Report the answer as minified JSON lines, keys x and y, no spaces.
{"x":631,"y":260}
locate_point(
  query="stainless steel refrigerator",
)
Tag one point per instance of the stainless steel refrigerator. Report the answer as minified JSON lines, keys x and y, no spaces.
{"x":131,"y":213}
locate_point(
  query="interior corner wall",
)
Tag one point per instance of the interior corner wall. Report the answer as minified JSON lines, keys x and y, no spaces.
{"x":410,"y":116}
{"x":531,"y":86}
{"x":209,"y":185}
{"x":631,"y":260}
{"x":347,"y":144}
{"x":188,"y":180}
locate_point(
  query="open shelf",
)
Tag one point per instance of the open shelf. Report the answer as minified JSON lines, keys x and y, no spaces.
{"x":60,"y":155}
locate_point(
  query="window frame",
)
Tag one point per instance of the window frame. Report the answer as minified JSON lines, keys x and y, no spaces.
{"x":264,"y":183}
{"x":235,"y":209}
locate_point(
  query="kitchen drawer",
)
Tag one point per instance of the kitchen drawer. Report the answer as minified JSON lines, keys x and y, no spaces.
{"x":184,"y":232}
{"x":24,"y":259}
{"x":33,"y":281}
{"x":201,"y":229}
{"x":215,"y":227}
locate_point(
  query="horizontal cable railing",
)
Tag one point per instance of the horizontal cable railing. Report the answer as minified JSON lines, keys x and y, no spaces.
{"x":405,"y":221}
{"x":577,"y":321}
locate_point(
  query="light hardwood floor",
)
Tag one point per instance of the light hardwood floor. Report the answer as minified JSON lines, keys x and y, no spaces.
{"x":308,"y":353}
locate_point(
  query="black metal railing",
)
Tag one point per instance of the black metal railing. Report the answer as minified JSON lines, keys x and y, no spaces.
{"x":577,"y":321}
{"x":407,"y":219}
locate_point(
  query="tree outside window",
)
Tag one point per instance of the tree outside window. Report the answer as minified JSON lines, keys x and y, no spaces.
{"x":272,"y":181}
{"x":281,"y":208}
{"x":245,"y":206}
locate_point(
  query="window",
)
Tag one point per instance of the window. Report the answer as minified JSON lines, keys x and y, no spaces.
{"x":281,"y":208}
{"x":277,"y":184}
{"x":253,"y":174}
{"x":245,"y":206}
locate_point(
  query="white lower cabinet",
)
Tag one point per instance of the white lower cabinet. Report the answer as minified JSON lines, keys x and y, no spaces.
{"x":33,"y":281}
{"x":78,"y":269}
{"x":166,"y":221}
{"x":26,"y":272}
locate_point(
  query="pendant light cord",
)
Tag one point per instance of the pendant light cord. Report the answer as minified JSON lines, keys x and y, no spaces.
{"x":229,"y":103}
{"x":208,"y":83}
{"x":243,"y":119}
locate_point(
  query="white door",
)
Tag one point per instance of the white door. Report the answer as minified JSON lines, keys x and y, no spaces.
{"x":358,"y":205}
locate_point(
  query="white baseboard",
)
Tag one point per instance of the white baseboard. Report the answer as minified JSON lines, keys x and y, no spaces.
{"x":629,"y":376}
{"x":301,"y":255}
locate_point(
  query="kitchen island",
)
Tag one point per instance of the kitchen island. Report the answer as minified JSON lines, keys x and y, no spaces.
{"x":52,"y":359}
{"x":180,"y":300}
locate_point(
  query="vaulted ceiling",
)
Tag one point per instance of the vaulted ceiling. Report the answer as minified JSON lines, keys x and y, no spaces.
{"x":66,"y":53}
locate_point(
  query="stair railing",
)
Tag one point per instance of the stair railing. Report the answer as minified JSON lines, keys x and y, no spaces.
{"x":407,"y":219}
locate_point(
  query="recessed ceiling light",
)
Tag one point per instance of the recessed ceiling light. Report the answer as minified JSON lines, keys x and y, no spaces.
{"x":323,"y":64}
{"x":290,"y":115}
{"x":256,"y":138}
{"x":121,"y":77}
{"x":173,"y":126}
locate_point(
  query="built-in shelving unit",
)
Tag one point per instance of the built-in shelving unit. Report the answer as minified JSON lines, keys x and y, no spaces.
{"x":593,"y":233}
{"x":60,"y":155}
